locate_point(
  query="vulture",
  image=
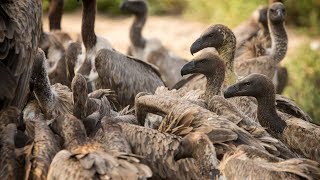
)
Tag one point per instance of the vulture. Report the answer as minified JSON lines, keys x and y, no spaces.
{"x":91,"y":41}
{"x":222,"y":38}
{"x":55,"y":14}
{"x":112,"y":68}
{"x":72,"y":54}
{"x":44,"y":147}
{"x":20,"y":28}
{"x":93,"y":107}
{"x":151,"y":50}
{"x":267,"y":64}
{"x":250,"y":28}
{"x":299,"y":135}
{"x":249,"y":163}
{"x":108,"y":69}
{"x":84,"y":158}
{"x":199,"y":119}
{"x":170,"y":156}
{"x":12,"y":140}
{"x":8,"y":162}
{"x":53,"y":100}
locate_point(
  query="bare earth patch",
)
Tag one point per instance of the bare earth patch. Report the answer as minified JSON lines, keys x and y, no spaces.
{"x":175,"y":32}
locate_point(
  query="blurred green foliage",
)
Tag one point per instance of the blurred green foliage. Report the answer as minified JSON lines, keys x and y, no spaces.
{"x":304,"y":13}
{"x":229,"y":12}
{"x":304,"y":79}
{"x":111,"y":7}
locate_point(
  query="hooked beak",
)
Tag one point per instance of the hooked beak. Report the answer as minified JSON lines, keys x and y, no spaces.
{"x":188,"y":68}
{"x":280,"y":14}
{"x":196,"y":46}
{"x":231,"y":91}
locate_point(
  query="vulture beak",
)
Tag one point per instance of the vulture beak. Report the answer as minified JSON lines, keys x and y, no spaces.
{"x":188,"y":68}
{"x":232,"y":91}
{"x":196,"y":46}
{"x":280,"y":14}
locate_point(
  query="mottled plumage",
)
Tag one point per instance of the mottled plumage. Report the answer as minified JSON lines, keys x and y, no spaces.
{"x":161,"y":152}
{"x":151,"y":50}
{"x":52,"y":100}
{"x":41,"y":152}
{"x":113,"y":70}
{"x":87,"y":159}
{"x":250,"y":163}
{"x":20,"y":28}
{"x":299,"y":135}
{"x":267,"y":64}
{"x":8,"y":160}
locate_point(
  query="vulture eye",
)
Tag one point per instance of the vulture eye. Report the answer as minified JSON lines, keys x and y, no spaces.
{"x":247,"y":83}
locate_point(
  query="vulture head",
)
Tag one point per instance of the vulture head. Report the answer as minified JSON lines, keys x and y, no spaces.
{"x":206,"y":63}
{"x":138,"y":7}
{"x":215,"y":36}
{"x":263,"y":16}
{"x":255,"y":85}
{"x":277,"y":12}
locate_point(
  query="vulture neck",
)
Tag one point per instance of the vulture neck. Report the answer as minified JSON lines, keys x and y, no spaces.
{"x":268,"y":117}
{"x":42,"y":90}
{"x":214,"y":84}
{"x":55,"y":14}
{"x":227,"y":53}
{"x":88,"y":19}
{"x":136,"y":30}
{"x":279,"y":40}
{"x":80,"y":100}
{"x":70,"y":66}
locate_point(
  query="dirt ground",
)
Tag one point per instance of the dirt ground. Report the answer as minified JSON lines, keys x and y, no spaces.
{"x":176,"y":33}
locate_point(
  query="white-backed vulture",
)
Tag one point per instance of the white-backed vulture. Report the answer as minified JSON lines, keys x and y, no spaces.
{"x":299,"y":135}
{"x":170,"y":156}
{"x":84,"y":158}
{"x":52,"y":100}
{"x":151,"y":50}
{"x":20,"y":24}
{"x":44,"y":147}
{"x":250,"y":163}
{"x":222,"y":38}
{"x":126,"y":76}
{"x":91,"y":41}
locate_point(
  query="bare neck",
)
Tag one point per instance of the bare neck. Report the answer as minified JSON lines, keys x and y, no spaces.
{"x":42,"y":90}
{"x":88,"y":19}
{"x":227,"y":53}
{"x":268,"y":117}
{"x":55,"y":14}
{"x":80,"y":103}
{"x":136,"y":30}
{"x":279,"y":41}
{"x":214,"y":84}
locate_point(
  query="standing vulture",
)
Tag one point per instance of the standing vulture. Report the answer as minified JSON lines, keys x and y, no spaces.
{"x":151,"y":50}
{"x":20,"y":28}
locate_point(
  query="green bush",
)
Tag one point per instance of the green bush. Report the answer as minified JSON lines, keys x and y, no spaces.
{"x":111,"y":7}
{"x":305,"y":14}
{"x":229,"y":12}
{"x":304,"y":79}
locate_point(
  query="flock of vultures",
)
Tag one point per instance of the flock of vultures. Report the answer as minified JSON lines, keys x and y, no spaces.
{"x":80,"y":109}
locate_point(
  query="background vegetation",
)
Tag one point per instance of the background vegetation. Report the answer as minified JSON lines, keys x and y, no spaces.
{"x":303,"y":13}
{"x":304,"y":83}
{"x":303,"y":16}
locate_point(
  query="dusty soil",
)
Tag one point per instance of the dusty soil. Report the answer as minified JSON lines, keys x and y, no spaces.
{"x":175,"y":32}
